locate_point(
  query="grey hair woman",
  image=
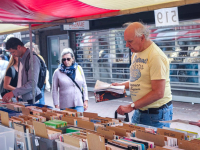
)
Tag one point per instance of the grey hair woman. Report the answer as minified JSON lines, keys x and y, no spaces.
{"x":69,"y":84}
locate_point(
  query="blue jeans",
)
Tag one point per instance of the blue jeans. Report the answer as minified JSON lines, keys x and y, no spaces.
{"x":164,"y":114}
{"x":78,"y":108}
{"x":42,"y":101}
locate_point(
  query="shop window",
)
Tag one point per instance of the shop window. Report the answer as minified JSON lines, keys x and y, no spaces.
{"x":103,"y":55}
{"x":182,"y":46}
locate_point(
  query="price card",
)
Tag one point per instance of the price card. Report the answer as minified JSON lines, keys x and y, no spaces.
{"x":166,"y":17}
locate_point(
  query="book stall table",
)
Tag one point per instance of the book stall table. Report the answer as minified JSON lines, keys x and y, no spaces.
{"x":43,"y":128}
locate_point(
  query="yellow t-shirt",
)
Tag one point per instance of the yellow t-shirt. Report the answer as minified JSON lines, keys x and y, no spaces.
{"x":150,"y":64}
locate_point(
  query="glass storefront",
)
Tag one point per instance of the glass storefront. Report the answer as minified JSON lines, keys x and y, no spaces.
{"x":104,"y":56}
{"x":182,"y":45}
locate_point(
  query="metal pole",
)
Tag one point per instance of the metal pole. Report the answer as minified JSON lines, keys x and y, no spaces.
{"x":31,"y":57}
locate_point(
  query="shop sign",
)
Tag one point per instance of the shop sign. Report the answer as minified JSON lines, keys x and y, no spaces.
{"x":166,"y":17}
{"x":81,"y":25}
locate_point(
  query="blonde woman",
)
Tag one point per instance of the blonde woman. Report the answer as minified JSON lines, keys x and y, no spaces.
{"x":11,"y":77}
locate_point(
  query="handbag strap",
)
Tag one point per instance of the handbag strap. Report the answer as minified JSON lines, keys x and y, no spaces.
{"x":76,"y":84}
{"x":13,"y":71}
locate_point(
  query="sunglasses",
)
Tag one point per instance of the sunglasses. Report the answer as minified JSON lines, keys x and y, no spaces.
{"x":64,"y":59}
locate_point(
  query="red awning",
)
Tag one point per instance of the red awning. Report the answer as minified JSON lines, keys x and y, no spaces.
{"x":26,"y":11}
{"x":46,"y":10}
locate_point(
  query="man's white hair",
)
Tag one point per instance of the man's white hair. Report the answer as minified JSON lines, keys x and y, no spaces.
{"x":142,"y":31}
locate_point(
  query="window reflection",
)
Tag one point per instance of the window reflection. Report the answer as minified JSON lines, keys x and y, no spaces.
{"x":103,"y":55}
{"x":182,"y":47}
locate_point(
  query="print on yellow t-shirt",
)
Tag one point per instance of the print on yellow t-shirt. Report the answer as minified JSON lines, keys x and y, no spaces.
{"x":150,"y":64}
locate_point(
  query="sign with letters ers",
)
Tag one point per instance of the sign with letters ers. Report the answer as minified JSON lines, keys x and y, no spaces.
{"x":166,"y":17}
{"x":80,"y":25}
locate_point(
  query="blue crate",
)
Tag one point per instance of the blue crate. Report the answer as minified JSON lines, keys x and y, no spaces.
{"x":39,"y":105}
{"x":10,"y":112}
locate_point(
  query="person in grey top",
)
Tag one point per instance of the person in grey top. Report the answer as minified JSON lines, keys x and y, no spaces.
{"x":70,"y":95}
{"x":25,"y":79}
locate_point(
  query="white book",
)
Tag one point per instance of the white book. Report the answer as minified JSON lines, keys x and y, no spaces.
{"x":103,"y":86}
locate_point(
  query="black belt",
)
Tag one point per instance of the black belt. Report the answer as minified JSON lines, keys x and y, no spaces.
{"x":155,"y":110}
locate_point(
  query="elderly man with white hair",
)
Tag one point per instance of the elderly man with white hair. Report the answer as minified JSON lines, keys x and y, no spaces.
{"x":149,"y":82}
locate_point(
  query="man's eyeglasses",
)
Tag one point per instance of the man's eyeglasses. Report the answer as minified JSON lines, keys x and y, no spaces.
{"x":64,"y":59}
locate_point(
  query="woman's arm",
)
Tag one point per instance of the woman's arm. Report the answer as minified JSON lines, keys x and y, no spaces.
{"x":84,"y":85}
{"x":85,"y":90}
{"x":6,"y":84}
{"x":55,"y":89}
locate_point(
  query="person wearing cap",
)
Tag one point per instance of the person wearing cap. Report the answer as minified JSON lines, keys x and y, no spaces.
{"x":69,"y":84}
{"x":149,"y":82}
{"x":25,"y":79}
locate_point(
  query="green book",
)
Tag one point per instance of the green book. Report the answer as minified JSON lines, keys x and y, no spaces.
{"x":63,"y":123}
{"x":71,"y":129}
{"x":53,"y":124}
{"x":56,"y":123}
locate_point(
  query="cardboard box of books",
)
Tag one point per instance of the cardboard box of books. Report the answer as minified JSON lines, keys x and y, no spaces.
{"x":105,"y":91}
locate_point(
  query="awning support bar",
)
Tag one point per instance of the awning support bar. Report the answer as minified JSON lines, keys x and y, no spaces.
{"x":31,"y":57}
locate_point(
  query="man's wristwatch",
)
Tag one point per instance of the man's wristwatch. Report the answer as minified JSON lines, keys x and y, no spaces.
{"x":133,"y":105}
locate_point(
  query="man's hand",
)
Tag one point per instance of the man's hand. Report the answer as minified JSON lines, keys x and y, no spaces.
{"x":85,"y":105}
{"x":195,"y":123}
{"x":115,"y":84}
{"x":126,"y":84}
{"x":124,"y":109}
{"x":7,"y":97}
{"x":56,"y":106}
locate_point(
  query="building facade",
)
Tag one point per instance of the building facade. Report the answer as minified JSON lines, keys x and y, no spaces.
{"x":102,"y":53}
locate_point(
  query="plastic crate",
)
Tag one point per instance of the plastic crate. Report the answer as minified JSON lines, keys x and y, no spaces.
{"x":46,"y":144}
{"x":24,"y":141}
{"x":7,"y":138}
{"x":64,"y":146}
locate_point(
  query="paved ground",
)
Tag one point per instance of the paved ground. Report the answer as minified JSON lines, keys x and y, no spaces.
{"x":187,"y":111}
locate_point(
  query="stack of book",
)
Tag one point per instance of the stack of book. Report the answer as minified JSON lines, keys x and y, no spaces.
{"x":104,"y":91}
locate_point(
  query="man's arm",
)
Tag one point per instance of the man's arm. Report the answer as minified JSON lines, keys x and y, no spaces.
{"x":27,"y":87}
{"x":158,"y":89}
{"x":123,"y":83}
